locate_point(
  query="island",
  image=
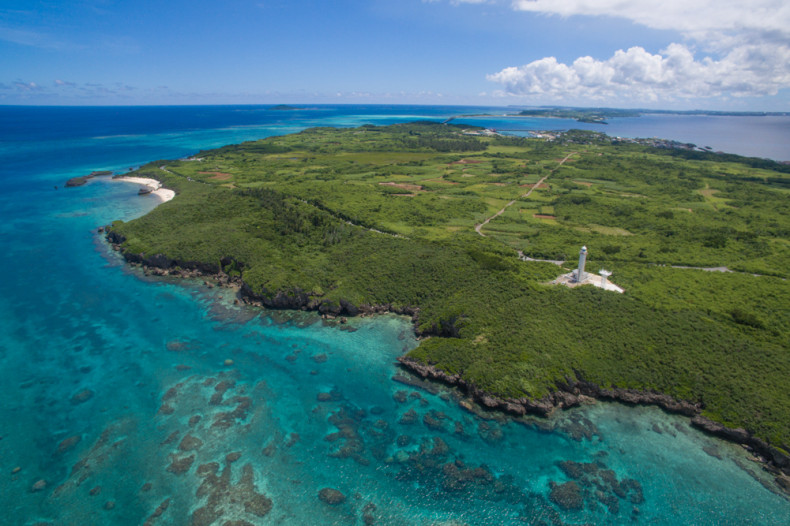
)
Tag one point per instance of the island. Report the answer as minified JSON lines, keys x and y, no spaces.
{"x":591,"y":115}
{"x":599,"y":115}
{"x":465,"y":233}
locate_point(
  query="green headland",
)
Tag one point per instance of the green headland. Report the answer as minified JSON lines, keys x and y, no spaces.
{"x":340,"y":220}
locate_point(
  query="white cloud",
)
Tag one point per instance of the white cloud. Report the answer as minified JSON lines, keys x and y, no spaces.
{"x":692,"y":17}
{"x":636,"y":74}
{"x":747,"y":46}
{"x":26,"y":86}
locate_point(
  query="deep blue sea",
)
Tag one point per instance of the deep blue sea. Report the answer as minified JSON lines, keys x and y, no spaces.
{"x":118,"y":405}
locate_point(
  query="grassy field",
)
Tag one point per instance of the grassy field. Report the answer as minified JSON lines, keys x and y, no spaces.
{"x":387,"y":215}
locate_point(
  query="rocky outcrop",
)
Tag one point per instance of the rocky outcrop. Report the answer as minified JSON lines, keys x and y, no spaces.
{"x":574,"y":392}
{"x":114,"y":237}
{"x":714,"y":428}
{"x":162,"y":265}
{"x":77,"y":181}
{"x":331,"y":496}
{"x":81,"y":180}
{"x":568,"y":496}
{"x":570,"y":393}
{"x":161,"y":262}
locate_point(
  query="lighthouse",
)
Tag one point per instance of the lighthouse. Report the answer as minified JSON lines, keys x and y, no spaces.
{"x":580,"y":275}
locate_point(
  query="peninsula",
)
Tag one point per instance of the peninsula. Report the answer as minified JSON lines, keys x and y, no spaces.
{"x":355,"y":221}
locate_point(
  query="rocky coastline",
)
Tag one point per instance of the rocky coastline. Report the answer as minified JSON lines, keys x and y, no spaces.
{"x":570,"y":393}
{"x":573,"y":393}
{"x":294,"y":299}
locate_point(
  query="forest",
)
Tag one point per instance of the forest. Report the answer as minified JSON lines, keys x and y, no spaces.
{"x":386,"y":215}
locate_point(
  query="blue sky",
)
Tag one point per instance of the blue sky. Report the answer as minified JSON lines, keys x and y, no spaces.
{"x":626,"y":53}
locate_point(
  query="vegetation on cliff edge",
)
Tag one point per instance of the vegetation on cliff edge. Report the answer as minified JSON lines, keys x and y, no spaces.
{"x":386,"y":215}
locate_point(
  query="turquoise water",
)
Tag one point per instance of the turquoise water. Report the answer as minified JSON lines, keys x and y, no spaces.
{"x":115,"y":391}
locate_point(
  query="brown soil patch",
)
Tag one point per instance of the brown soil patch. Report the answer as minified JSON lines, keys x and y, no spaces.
{"x":405,"y":186}
{"x":466,"y":161}
{"x":583,"y":183}
{"x":219,"y":176}
{"x":542,"y":216}
{"x":441,"y":181}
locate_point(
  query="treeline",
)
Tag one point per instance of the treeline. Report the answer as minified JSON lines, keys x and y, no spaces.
{"x":752,"y":162}
{"x":439,"y":144}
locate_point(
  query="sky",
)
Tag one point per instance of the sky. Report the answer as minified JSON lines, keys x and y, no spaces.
{"x":662,"y":54}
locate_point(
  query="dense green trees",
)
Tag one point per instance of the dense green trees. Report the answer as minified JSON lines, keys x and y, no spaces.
{"x":386,"y":215}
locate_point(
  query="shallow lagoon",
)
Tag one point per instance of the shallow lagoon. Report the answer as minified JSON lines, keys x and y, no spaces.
{"x":104,"y":373}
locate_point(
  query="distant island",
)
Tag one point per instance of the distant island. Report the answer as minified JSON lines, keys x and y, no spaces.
{"x":465,"y":230}
{"x":595,"y":116}
{"x":283,"y":107}
{"x":599,"y":115}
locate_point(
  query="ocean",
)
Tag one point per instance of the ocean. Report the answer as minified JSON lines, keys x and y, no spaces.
{"x":751,"y":136}
{"x":131,"y":400}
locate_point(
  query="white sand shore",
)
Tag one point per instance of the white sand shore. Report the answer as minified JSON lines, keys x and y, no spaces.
{"x":162,"y":193}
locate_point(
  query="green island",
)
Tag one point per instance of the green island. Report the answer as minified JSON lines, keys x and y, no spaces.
{"x":350,"y":221}
{"x":591,"y":115}
{"x":599,"y":115}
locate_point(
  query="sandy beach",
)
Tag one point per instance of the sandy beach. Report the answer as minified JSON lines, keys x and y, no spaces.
{"x":162,"y":193}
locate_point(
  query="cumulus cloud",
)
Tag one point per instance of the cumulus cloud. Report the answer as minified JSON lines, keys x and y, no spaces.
{"x":635,"y":73}
{"x":746,"y":52}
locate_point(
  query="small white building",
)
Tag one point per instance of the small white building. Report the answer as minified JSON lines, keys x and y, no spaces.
{"x":580,"y":277}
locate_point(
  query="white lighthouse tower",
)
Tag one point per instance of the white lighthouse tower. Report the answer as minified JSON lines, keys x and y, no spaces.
{"x":580,"y":274}
{"x":579,"y":277}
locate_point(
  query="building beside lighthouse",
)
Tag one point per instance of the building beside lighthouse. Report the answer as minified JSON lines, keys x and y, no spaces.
{"x":580,"y":276}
